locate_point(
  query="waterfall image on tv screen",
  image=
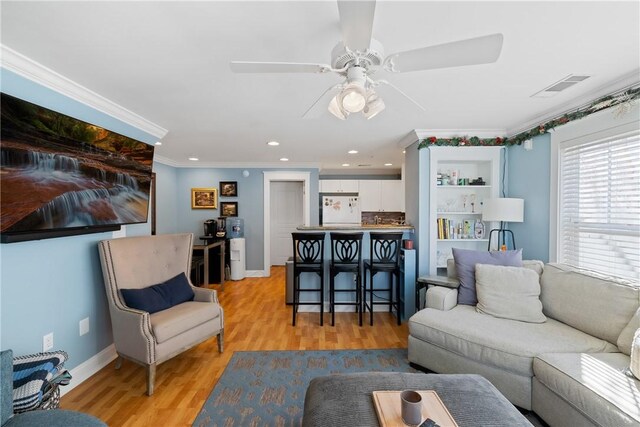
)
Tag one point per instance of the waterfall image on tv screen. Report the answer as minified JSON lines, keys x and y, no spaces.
{"x":62,"y":173}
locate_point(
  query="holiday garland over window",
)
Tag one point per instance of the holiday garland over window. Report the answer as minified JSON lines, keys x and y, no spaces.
{"x":623,"y":101}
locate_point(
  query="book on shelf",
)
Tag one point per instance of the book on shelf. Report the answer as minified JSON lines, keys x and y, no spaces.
{"x":448,"y":229}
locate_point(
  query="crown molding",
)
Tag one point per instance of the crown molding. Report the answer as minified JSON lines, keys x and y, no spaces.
{"x":166,"y":161}
{"x":38,"y":73}
{"x":623,"y":82}
{"x":419,"y":134}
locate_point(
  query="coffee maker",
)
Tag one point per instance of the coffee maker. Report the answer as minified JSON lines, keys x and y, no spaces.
{"x":210,"y":228}
{"x":221,"y":227}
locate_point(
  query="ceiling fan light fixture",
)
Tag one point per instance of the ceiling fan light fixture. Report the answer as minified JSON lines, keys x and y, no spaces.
{"x":373,"y":107}
{"x":335,"y":109}
{"x":353,"y":98}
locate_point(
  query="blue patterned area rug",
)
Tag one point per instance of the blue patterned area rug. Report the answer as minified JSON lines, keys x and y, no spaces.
{"x":261,"y":388}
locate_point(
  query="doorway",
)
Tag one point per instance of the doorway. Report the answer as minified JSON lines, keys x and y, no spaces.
{"x":287,"y":213}
{"x":283,"y":176}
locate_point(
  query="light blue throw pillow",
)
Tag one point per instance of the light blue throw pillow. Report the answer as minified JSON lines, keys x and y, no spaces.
{"x":466,"y":261}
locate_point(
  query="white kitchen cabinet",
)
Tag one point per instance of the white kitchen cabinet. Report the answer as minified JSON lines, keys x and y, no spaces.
{"x":381,"y":195}
{"x":349,"y":185}
{"x":454,"y":209}
{"x":369,"y":195}
{"x":338,"y":185}
{"x":391,"y":196}
{"x":329,"y":185}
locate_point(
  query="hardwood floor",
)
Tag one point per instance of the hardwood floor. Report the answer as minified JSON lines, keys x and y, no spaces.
{"x":256,"y":318}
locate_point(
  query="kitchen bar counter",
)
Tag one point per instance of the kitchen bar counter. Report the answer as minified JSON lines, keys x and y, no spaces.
{"x":366,"y":227}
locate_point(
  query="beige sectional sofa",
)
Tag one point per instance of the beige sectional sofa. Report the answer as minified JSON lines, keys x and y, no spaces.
{"x":571,"y":370}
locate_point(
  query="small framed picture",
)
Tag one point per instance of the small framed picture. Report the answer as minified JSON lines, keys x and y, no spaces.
{"x":229,"y":208}
{"x":228,"y":189}
{"x":204,"y":198}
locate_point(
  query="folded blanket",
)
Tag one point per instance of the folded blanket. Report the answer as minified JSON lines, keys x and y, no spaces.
{"x":32,"y":375}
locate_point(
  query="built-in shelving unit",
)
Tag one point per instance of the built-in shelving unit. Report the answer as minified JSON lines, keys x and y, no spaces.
{"x":455,"y":210}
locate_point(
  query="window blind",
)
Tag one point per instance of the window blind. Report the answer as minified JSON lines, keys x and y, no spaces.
{"x":599,"y":218}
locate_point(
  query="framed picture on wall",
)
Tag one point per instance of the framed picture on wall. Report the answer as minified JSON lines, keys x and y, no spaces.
{"x":228,"y":189}
{"x":204,"y":198}
{"x":229,"y":208}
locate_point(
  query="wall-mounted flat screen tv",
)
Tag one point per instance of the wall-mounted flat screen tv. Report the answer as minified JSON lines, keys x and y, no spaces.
{"x":62,"y":176}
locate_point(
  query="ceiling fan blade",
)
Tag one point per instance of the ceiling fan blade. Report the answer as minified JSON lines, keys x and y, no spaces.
{"x":318,"y":108}
{"x":479,"y":50}
{"x":277,"y":67}
{"x":356,"y":21}
{"x":398,"y":90}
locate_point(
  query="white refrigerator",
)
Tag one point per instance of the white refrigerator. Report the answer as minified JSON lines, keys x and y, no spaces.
{"x":341,"y":210}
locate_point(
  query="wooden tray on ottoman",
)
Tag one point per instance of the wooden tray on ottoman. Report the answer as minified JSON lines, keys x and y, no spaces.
{"x":387,"y":405}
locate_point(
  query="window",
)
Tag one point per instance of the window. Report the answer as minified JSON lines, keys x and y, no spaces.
{"x":599,"y":205}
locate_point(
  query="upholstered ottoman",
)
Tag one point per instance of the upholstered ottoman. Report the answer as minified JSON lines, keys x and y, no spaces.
{"x":346,"y":400}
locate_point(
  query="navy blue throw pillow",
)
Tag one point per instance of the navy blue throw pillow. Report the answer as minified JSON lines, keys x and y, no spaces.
{"x":176,"y":290}
{"x":161,"y":296}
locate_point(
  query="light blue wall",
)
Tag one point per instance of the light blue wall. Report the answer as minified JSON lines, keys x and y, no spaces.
{"x":528,"y":178}
{"x":250,"y":204}
{"x":166,"y":191}
{"x":417,"y":202}
{"x":50,"y":285}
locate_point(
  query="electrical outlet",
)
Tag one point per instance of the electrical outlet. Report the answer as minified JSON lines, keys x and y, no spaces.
{"x":47,"y":342}
{"x":84,"y":326}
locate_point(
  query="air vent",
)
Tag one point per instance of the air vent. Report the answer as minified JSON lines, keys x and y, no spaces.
{"x":576,"y":78}
{"x":559,"y":86}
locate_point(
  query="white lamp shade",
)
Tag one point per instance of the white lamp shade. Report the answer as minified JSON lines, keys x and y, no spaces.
{"x":374,"y":106}
{"x":353,"y":98}
{"x":334,"y":108}
{"x":503,"y":209}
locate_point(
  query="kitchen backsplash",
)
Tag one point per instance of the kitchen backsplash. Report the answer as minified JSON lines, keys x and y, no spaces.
{"x":396,"y":218}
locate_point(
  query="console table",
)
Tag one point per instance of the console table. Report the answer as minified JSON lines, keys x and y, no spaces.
{"x":206,"y":248}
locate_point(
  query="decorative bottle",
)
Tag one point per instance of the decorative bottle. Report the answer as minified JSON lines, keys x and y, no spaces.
{"x":478,"y":229}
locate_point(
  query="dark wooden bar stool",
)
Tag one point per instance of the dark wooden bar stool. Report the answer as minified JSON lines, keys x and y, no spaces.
{"x":346,"y":257}
{"x":384,"y":257}
{"x":308,"y":257}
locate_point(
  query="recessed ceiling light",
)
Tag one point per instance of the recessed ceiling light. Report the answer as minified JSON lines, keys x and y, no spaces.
{"x":404,"y":151}
{"x":388,"y":164}
{"x":273,"y":143}
{"x":193,"y":159}
{"x":352,"y":151}
{"x":284,"y":159}
{"x":346,"y":164}
{"x":158,"y":143}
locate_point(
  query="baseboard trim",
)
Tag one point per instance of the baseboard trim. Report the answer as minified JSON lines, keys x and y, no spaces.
{"x":86,"y":369}
{"x":255,"y":273}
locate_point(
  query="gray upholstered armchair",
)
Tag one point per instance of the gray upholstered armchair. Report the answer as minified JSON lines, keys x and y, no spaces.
{"x":150,"y":339}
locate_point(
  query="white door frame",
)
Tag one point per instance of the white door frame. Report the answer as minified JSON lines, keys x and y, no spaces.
{"x":305,"y":178}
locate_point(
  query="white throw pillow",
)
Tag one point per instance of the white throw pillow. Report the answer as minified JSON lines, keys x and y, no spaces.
{"x":509,"y":293}
{"x":626,"y":336}
{"x":635,"y":355}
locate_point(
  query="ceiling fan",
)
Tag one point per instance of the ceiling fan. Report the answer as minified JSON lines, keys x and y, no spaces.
{"x":358,"y":56}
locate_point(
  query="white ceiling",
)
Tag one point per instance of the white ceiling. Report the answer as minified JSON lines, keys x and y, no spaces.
{"x":169,"y":62}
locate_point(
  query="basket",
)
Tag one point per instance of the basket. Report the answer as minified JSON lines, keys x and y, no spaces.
{"x":50,"y":398}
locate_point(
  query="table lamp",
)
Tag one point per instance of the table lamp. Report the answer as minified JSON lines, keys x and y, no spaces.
{"x":503,"y":210}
